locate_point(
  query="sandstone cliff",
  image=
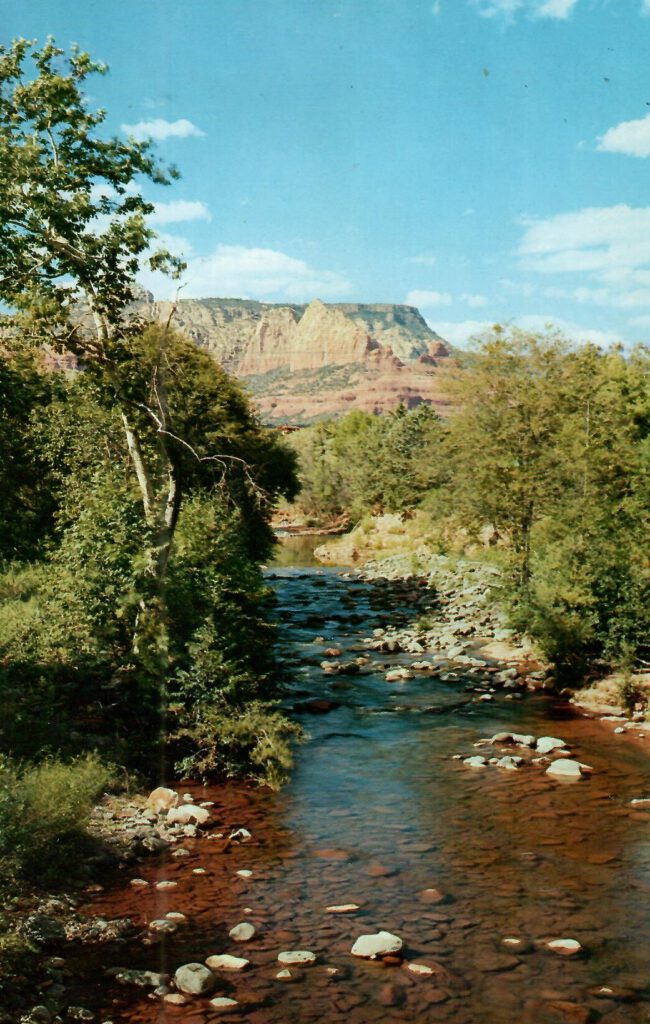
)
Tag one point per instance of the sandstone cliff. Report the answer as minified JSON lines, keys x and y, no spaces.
{"x":301,"y":362}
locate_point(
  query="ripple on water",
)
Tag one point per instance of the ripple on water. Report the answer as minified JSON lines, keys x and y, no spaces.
{"x":378,"y":815}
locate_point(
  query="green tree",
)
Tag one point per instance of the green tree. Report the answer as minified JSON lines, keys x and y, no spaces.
{"x":73,"y":235}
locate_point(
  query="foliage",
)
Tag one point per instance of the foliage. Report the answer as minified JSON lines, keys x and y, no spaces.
{"x":367,"y":463}
{"x":43,"y":813}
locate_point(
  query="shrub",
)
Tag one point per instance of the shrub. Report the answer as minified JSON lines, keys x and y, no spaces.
{"x":44,"y":810}
{"x":254,"y":741}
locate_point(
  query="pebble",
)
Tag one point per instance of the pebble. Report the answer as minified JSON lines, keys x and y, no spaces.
{"x":166,"y":885}
{"x":138,"y":882}
{"x":342,"y":908}
{"x":223,"y":1004}
{"x":420,"y":969}
{"x":285,"y":975}
{"x":163,"y":926}
{"x":296,"y":958}
{"x":565,"y":947}
{"x":475,"y":762}
{"x":242,"y":932}
{"x":244,"y":873}
{"x":226,"y":962}
{"x":175,"y":998}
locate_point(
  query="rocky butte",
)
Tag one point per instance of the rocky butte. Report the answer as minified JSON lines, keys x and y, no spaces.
{"x":302,"y":362}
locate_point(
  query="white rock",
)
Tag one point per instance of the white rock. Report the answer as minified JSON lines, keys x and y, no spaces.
{"x":223,"y":1004}
{"x":163,"y":926}
{"x":194,"y":979}
{"x":175,"y":915}
{"x":420,"y":969}
{"x":380,"y":944}
{"x":545,"y":744}
{"x":510,"y":763}
{"x":520,"y":739}
{"x":138,"y":882}
{"x":240,"y":835}
{"x":166,"y":885}
{"x":226,"y":962}
{"x":566,"y":768}
{"x":162,"y":799}
{"x":296,"y":957}
{"x":188,"y":814}
{"x":565,"y":947}
{"x":242,"y":932}
{"x":244,"y":873}
{"x":342,"y":908}
{"x":475,"y":762}
{"x":284,"y":975}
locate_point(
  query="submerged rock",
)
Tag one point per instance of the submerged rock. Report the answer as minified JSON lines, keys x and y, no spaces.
{"x":296,"y":958}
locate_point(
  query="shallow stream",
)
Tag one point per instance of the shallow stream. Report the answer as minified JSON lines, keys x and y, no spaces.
{"x":452,"y":860}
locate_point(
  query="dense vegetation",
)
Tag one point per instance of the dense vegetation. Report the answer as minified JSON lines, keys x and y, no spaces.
{"x":546,"y":460}
{"x":135,"y":497}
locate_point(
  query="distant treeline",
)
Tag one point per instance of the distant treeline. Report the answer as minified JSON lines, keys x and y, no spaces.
{"x":547,"y":455}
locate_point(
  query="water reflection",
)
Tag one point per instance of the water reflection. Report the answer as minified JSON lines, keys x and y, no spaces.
{"x":452,"y":860}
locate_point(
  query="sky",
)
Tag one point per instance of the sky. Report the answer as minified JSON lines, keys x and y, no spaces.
{"x":484,"y":160}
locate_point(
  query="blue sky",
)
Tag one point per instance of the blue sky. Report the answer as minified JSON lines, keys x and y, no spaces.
{"x":485,"y":160}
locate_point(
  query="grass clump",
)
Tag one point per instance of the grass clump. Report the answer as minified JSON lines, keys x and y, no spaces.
{"x":44,"y":811}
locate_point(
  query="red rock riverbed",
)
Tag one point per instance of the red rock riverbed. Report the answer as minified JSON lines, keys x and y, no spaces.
{"x":376,"y":814}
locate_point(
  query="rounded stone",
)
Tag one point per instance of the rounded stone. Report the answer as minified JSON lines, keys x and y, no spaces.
{"x":296,"y":958}
{"x":242,"y":932}
{"x":382,"y":943}
{"x":194,"y":979}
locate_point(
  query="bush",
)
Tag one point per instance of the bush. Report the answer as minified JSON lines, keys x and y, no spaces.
{"x":44,"y":810}
{"x":254,"y":741}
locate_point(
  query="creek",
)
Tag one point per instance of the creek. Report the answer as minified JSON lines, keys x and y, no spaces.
{"x":379,"y":814}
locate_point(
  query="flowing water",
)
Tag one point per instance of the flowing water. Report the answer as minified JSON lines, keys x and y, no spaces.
{"x":453,"y":860}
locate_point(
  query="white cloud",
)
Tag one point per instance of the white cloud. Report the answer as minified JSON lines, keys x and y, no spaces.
{"x":474,"y":301}
{"x":159,"y":129}
{"x":629,"y":137}
{"x":428,"y":300}
{"x":645,"y":7}
{"x":235,"y":271}
{"x":608,"y":246}
{"x":594,"y":239}
{"x":556,"y":9}
{"x":507,"y":9}
{"x":425,"y":259}
{"x":179,"y":210}
{"x":498,"y":8}
{"x":461,"y":333}
{"x":436,"y":8}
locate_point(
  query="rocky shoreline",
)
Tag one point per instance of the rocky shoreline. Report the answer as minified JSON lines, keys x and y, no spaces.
{"x":461,"y":636}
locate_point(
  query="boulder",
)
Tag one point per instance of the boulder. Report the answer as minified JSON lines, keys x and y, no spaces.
{"x":43,"y":931}
{"x":162,"y":799}
{"x":545,"y":744}
{"x":371,"y":947}
{"x":188,"y":814}
{"x":509,"y":762}
{"x":194,"y":979}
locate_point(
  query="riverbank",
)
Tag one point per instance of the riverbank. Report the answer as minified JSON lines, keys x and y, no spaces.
{"x":402,"y":679}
